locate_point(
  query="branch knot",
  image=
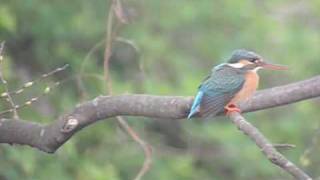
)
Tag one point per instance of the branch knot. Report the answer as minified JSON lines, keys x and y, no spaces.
{"x":70,"y":125}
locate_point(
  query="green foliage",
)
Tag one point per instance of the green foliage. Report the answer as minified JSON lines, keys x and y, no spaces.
{"x":179,"y":42}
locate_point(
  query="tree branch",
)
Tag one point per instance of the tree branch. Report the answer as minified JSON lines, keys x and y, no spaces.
{"x":49,"y":137}
{"x":267,"y":148}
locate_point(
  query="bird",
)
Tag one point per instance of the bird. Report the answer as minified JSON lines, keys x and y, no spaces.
{"x":229,"y":84}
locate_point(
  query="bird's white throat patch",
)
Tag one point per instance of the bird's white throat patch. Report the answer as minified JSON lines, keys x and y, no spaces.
{"x":241,"y":65}
{"x":236,"y":65}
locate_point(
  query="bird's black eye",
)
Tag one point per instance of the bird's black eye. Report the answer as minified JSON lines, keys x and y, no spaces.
{"x":255,"y":60}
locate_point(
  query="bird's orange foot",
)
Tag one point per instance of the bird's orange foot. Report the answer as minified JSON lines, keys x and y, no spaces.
{"x":231,"y":108}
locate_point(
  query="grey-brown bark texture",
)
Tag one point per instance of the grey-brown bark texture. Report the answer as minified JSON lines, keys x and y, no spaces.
{"x":49,"y":137}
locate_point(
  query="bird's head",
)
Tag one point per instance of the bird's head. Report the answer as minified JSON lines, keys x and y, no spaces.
{"x":249,"y":60}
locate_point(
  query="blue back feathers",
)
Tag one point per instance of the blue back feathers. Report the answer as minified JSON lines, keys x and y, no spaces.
{"x":217,"y":90}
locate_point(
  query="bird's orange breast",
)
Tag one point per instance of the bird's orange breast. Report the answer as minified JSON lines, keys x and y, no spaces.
{"x":249,"y":87}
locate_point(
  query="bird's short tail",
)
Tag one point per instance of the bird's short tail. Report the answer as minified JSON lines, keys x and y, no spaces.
{"x":195,"y":108}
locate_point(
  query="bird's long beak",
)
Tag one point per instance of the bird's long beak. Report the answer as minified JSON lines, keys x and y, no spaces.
{"x":267,"y":65}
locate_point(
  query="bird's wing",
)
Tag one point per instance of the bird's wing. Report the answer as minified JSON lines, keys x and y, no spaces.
{"x":219,"y":89}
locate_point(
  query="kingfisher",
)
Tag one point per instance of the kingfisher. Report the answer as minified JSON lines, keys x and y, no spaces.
{"x":229,"y":84}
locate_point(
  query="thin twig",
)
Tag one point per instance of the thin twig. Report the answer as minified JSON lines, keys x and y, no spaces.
{"x":80,"y":76}
{"x":267,"y":148}
{"x":5,"y":84}
{"x":111,"y":33}
{"x":45,"y":91}
{"x":31,"y":83}
{"x":283,"y":146}
{"x":304,"y":159}
{"x":146,"y":147}
{"x":26,"y":85}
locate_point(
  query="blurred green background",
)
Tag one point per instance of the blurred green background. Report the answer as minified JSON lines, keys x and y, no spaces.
{"x":167,"y":49}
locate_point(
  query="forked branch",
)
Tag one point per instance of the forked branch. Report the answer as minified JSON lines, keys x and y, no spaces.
{"x":49,"y":137}
{"x":267,"y":148}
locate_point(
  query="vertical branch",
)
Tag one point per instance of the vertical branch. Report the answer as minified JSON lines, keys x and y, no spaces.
{"x":107,"y":51}
{"x":5,"y":84}
{"x":116,"y":9}
{"x":267,"y":148}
